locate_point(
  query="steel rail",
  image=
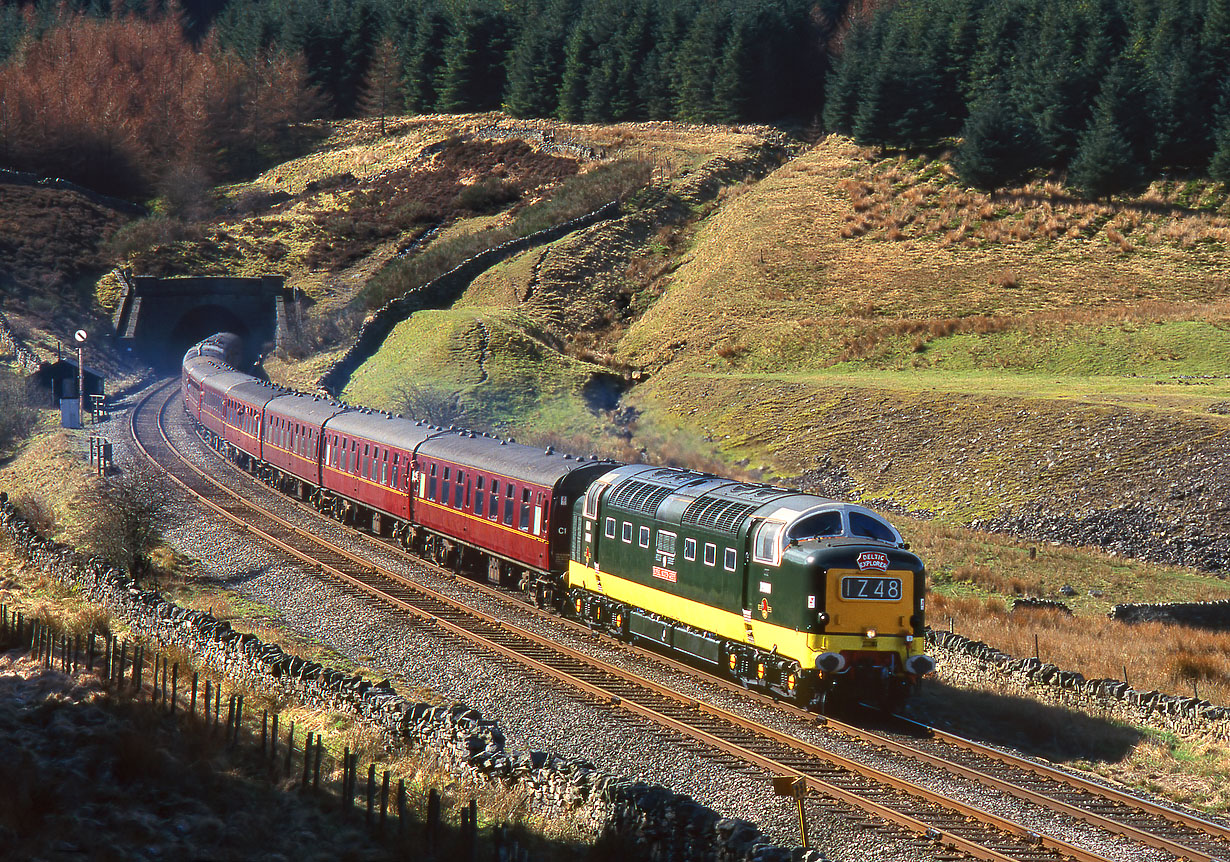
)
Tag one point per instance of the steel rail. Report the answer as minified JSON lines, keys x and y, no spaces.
{"x":603,"y":692}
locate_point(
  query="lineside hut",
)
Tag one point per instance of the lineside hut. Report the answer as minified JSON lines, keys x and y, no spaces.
{"x":59,"y":380}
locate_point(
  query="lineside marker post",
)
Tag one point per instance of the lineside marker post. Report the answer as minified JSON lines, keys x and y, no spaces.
{"x":787,"y":786}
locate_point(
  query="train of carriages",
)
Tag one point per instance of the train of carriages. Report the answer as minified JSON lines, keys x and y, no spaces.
{"x":798,"y":596}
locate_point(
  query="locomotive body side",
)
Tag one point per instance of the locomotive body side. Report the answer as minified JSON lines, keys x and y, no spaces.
{"x":774,"y":587}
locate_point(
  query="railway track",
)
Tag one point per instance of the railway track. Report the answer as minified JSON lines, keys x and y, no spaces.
{"x":922,"y":812}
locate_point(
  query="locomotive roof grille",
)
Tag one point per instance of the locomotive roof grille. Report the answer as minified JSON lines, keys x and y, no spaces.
{"x":637,"y":496}
{"x":720,"y":515}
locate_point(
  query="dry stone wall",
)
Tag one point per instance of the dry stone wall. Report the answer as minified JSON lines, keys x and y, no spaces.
{"x":1214,"y":616}
{"x":661,"y":824}
{"x":971,"y":663}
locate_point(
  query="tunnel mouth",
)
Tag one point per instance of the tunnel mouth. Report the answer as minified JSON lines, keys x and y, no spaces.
{"x":195,"y":325}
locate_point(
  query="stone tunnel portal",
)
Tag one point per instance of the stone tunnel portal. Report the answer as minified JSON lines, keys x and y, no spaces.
{"x":159,"y":318}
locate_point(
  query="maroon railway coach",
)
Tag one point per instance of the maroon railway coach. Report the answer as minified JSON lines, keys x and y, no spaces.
{"x":512,"y":503}
{"x":291,"y":440}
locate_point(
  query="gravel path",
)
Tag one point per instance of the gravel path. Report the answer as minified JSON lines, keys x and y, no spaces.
{"x":533,"y":713}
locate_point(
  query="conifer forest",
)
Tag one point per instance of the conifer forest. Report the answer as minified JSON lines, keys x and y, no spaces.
{"x":1111,"y":93}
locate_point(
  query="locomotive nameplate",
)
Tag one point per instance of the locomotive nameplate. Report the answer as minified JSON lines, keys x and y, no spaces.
{"x":871,"y":589}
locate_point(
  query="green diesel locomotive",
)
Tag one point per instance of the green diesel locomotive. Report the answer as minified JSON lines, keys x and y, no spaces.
{"x":805,"y":598}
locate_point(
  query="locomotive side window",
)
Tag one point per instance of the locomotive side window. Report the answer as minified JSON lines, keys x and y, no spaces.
{"x":729,"y":561}
{"x":591,"y":500}
{"x":710,"y":554}
{"x":610,"y":528}
{"x":689,"y":550}
{"x":494,"y":512}
{"x":627,"y":533}
{"x":525,"y":510}
{"x":509,"y":501}
{"x":644,"y":537}
{"x":768,"y":545}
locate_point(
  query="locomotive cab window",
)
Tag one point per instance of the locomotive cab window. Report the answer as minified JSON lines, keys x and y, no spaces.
{"x":767,"y":548}
{"x":689,"y":550}
{"x":815,"y":526}
{"x":872,"y":528}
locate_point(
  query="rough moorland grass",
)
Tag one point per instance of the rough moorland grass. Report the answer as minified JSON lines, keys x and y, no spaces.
{"x":772,"y":273}
{"x":486,"y":373}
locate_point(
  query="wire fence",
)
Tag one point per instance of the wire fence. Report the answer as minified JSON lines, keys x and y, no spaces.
{"x":383,"y":803}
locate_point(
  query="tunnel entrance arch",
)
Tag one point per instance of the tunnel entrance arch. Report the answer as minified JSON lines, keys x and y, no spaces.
{"x":159,"y":318}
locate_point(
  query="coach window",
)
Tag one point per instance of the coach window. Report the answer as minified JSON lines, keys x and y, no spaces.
{"x":689,"y":550}
{"x":467,"y":505}
{"x":644,"y":537}
{"x":540,"y":524}
{"x":525,"y":509}
{"x":610,"y":528}
{"x":396,"y":469}
{"x":459,"y":489}
{"x":729,"y":562}
{"x":510,"y":495}
{"x":710,"y":554}
{"x":480,"y":502}
{"x":431,"y":482}
{"x":494,"y":512}
{"x":627,"y":536}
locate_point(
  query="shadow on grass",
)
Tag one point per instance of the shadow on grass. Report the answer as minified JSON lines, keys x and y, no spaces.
{"x":1034,"y":728}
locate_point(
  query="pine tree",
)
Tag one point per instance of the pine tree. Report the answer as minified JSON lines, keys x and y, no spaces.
{"x":1105,"y":162}
{"x":996,"y":146}
{"x":381,"y":93}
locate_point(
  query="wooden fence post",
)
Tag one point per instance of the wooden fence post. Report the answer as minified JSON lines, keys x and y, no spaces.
{"x":384,"y":801}
{"x":238,"y":719}
{"x":205,"y":711}
{"x":290,"y":748}
{"x":89,"y":654}
{"x":307,"y":761}
{"x":346,"y":780}
{"x":273,"y":739}
{"x":320,"y":750}
{"x":471,"y":840}
{"x":371,"y":793}
{"x":230,"y":717}
{"x":433,"y":817}
{"x":174,"y":685}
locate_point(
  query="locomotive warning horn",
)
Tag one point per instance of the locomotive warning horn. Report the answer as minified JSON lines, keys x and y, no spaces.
{"x":831,"y":662}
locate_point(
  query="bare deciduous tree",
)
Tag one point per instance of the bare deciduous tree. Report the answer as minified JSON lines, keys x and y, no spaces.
{"x":128,"y":515}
